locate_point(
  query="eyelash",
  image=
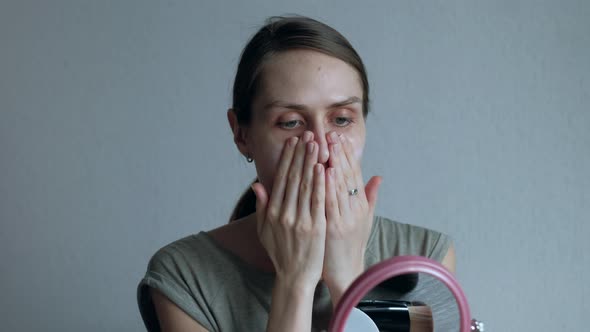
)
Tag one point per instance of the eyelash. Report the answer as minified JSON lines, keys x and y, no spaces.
{"x":348,"y":120}
{"x":283,"y":124}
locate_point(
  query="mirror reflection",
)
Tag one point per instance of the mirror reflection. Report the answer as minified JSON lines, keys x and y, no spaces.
{"x":416,"y":302}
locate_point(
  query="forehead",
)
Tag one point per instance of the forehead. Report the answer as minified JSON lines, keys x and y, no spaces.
{"x":308,"y":78}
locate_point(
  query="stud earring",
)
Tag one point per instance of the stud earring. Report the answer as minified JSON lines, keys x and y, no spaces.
{"x":249,"y":159}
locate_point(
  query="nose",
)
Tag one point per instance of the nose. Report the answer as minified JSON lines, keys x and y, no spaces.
{"x":319,"y":136}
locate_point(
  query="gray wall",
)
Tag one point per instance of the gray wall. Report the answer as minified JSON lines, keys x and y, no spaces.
{"x":114,"y":142}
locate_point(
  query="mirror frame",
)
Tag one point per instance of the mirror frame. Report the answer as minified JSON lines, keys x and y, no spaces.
{"x":394,"y":267}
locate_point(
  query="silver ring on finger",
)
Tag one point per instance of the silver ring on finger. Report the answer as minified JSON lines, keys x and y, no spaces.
{"x":353,"y":192}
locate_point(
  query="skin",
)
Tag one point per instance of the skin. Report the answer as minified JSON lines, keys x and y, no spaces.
{"x":306,"y":137}
{"x":301,"y":86}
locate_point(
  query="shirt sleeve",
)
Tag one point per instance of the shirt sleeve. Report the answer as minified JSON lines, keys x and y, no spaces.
{"x":171,"y":274}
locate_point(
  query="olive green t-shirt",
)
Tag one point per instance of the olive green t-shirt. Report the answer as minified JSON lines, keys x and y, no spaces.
{"x":223,"y":293}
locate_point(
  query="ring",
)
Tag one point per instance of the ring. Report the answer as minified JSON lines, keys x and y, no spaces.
{"x":353,"y":192}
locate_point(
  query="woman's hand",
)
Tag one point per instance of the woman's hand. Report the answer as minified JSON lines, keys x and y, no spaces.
{"x":291,"y":225}
{"x":349,"y":217}
{"x":292,"y":222}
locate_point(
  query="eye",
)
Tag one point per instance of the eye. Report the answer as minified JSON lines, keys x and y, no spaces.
{"x":290,"y":124}
{"x":342,"y":121}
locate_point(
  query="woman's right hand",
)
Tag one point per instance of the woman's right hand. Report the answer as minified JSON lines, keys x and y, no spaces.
{"x":291,"y":223}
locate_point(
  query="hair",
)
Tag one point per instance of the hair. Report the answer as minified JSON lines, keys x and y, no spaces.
{"x":280,"y":34}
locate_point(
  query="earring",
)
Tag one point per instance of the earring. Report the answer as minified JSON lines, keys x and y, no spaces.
{"x":249,"y":159}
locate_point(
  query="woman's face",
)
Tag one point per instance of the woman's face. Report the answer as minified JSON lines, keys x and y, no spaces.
{"x":300,"y":91}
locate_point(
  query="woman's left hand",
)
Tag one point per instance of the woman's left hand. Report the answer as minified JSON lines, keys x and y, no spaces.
{"x":349,"y":217}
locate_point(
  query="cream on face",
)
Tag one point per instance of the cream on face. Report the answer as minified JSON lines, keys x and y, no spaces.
{"x":304,"y":90}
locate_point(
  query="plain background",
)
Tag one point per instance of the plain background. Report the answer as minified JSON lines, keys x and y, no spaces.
{"x":114,"y":142}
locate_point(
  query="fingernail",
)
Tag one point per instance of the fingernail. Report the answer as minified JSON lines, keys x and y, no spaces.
{"x":336,"y":147}
{"x":342,"y":138}
{"x":318,"y":168}
{"x":293,"y":141}
{"x":307,"y":136}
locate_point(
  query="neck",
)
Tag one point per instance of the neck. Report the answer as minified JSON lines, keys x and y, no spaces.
{"x":259,"y":255}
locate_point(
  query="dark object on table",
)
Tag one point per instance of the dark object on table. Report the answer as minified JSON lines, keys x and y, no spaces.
{"x":402,"y":284}
{"x":398,"y":316}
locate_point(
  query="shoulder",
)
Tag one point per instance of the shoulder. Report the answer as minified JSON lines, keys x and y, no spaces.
{"x":182,"y":272}
{"x":392,"y":238}
{"x":182,"y":267}
{"x":190,"y":259}
{"x":178,"y":255}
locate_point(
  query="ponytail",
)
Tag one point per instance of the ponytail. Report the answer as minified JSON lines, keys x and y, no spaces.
{"x":246,"y":204}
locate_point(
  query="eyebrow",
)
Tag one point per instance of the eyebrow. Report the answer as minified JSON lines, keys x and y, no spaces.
{"x":301,"y":107}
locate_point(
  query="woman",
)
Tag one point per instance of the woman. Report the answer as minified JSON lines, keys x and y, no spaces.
{"x":306,"y":228}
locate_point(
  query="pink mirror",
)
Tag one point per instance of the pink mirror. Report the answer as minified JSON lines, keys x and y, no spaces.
{"x":346,"y":310}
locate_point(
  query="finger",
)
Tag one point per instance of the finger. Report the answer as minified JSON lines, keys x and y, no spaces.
{"x":372,"y":190}
{"x":332,"y":209}
{"x":351,"y":161}
{"x":280,"y":181}
{"x":261,"y":201}
{"x":307,"y":180}
{"x":340,"y":163}
{"x":294,"y":179}
{"x":341,"y":185}
{"x":318,"y":202}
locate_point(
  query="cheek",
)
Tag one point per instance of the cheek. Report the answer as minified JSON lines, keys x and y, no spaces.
{"x":358,"y":145}
{"x":267,"y":162}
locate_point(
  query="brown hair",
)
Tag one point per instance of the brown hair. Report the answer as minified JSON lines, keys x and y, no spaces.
{"x":281,"y":34}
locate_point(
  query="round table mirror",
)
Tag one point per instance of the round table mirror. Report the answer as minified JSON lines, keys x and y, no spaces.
{"x":404,"y":293}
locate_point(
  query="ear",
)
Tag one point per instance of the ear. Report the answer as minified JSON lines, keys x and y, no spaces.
{"x":239,"y":132}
